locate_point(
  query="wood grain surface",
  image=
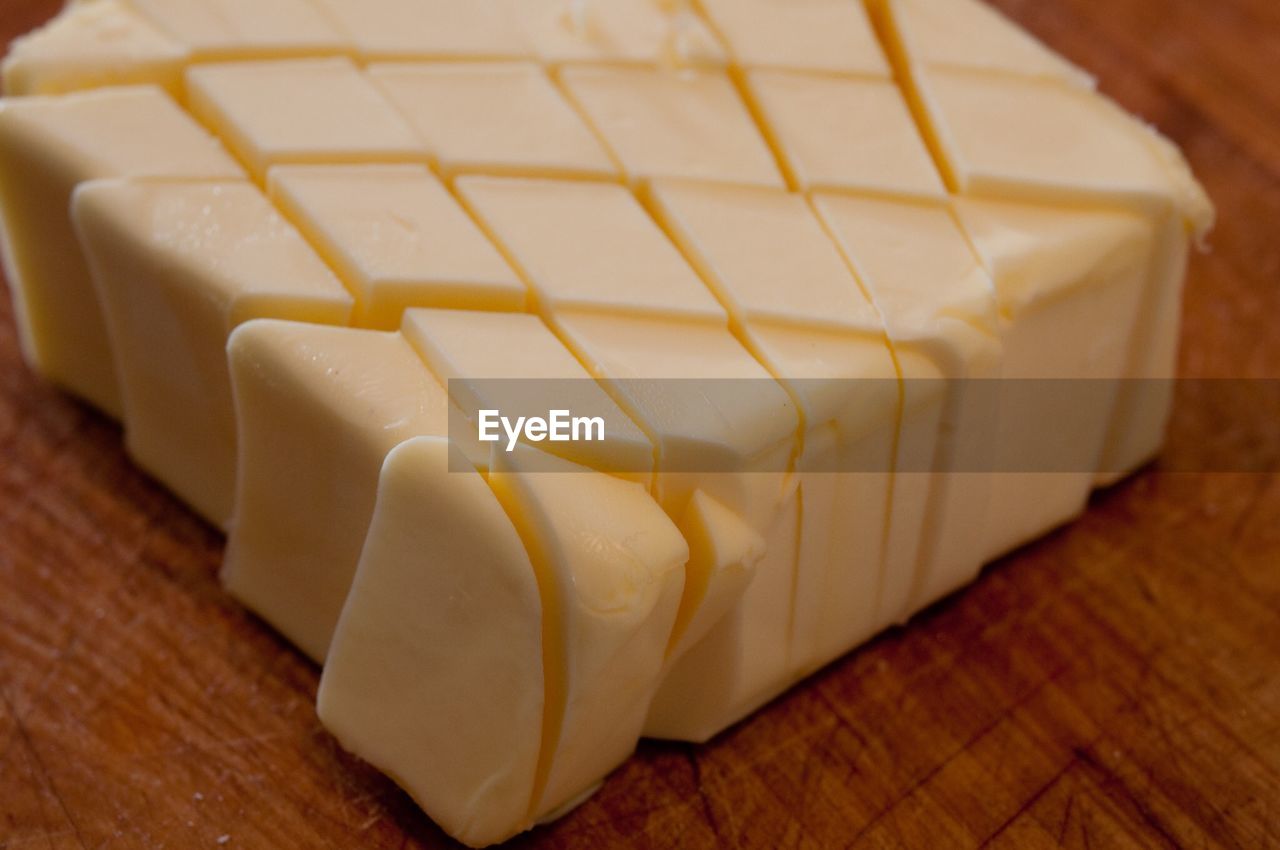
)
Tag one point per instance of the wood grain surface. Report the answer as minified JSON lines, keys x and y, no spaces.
{"x":1115,"y":685}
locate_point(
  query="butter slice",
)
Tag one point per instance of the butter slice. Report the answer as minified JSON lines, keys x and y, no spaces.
{"x":179,"y":265}
{"x":47,"y":147}
{"x":299,"y":111}
{"x":940,"y":312}
{"x":494,"y":118}
{"x":972,"y":34}
{"x":382,"y":30}
{"x":588,"y":246}
{"x":662,"y":123}
{"x":804,"y":316}
{"x":93,"y":45}
{"x":223,"y":29}
{"x":831,"y":36}
{"x":1029,"y":139}
{"x":436,"y":674}
{"x":610,"y":568}
{"x":723,"y":553}
{"x":609,"y":31}
{"x":837,"y":133}
{"x":531,"y":373}
{"x":397,"y":238}
{"x":724,"y":427}
{"x":318,"y":409}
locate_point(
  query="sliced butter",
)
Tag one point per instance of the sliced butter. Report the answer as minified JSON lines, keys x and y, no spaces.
{"x":845,"y":134}
{"x":179,"y":265}
{"x":300,"y":111}
{"x":653,"y":32}
{"x":224,"y":29}
{"x":494,"y":118}
{"x":529,"y":375}
{"x":433,"y":30}
{"x":831,"y":36}
{"x":47,"y":147}
{"x":397,"y":238}
{"x":588,"y":246}
{"x":663,"y":123}
{"x":318,"y":409}
{"x":436,"y":675}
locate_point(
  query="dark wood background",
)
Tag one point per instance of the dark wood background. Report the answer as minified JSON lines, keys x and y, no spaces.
{"x":1116,"y":685}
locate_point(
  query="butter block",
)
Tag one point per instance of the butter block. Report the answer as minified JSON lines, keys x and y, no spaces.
{"x":93,"y":45}
{"x":382,"y":30}
{"x":179,"y":265}
{"x":857,"y":287}
{"x":240,"y":29}
{"x":830,"y":36}
{"x":300,"y":111}
{"x":615,"y":31}
{"x":494,"y":118}
{"x":662,"y":123}
{"x":318,"y":409}
{"x":437,"y":675}
{"x":47,"y":147}
{"x":838,"y":133}
{"x":397,"y":238}
{"x":588,"y":246}
{"x":530,"y":375}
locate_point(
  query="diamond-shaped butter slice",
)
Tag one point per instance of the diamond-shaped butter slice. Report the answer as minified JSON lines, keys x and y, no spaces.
{"x":382,"y":30}
{"x":494,"y":118}
{"x":971,"y":34}
{"x":654,"y":32}
{"x":223,"y":29}
{"x":458,"y":347}
{"x":397,"y":238}
{"x":663,"y":123}
{"x":831,"y":36}
{"x":851,"y":134}
{"x":300,"y":111}
{"x":588,"y":246}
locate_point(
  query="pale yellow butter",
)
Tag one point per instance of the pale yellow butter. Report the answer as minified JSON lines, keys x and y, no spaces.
{"x":48,"y":146}
{"x":817,"y":265}
{"x":397,"y":238}
{"x":179,"y":265}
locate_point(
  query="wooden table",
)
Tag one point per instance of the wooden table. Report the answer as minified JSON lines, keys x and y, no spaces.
{"x":1116,"y":685}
